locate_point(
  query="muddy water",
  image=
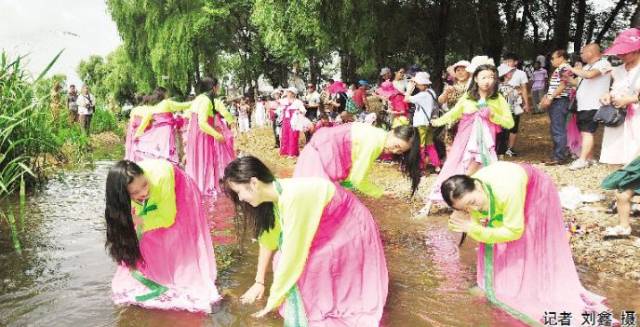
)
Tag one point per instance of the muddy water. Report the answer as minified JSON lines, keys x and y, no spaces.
{"x":62,"y":277}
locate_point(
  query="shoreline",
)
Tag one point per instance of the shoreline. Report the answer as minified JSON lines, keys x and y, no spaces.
{"x":614,"y":258}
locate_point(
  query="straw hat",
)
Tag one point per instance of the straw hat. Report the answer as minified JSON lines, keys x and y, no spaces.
{"x":452,"y":69}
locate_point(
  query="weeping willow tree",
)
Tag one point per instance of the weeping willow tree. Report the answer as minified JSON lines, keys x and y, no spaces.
{"x":164,"y":39}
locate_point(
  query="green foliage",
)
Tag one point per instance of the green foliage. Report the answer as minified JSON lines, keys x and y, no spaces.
{"x":103,"y":121}
{"x":33,"y":131}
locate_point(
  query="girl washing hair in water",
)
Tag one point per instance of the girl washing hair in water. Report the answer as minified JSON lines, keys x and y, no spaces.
{"x":158,"y":235}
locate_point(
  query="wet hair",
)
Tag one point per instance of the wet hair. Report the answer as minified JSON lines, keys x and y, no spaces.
{"x":206,"y":86}
{"x":410,"y":160}
{"x":240,"y":171}
{"x":474,"y":93}
{"x":455,"y":187}
{"x":122,"y":241}
{"x":159,"y":94}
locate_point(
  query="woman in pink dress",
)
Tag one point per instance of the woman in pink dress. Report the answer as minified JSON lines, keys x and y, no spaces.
{"x":482,"y":111}
{"x":156,"y":136}
{"x":135,"y":118}
{"x":290,"y":108}
{"x":158,"y":235}
{"x":346,"y":153}
{"x":329,"y":269}
{"x":209,"y":141}
{"x":525,"y":266}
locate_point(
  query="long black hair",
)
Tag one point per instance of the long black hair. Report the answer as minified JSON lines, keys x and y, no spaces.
{"x":206,"y":86}
{"x":159,"y":94}
{"x":240,"y":171}
{"x":410,"y":160}
{"x":454,"y":188}
{"x":122,"y":242}
{"x":474,"y":88}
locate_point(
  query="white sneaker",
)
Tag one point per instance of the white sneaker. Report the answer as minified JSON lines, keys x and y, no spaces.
{"x":617,"y":230}
{"x":579,"y":164}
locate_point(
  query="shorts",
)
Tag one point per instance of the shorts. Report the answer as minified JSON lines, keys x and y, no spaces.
{"x":585,"y":121}
{"x":516,"y":124}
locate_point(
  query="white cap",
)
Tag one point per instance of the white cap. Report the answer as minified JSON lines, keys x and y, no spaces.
{"x":422,"y":78}
{"x":504,"y":69}
{"x":292,"y":90}
{"x":479,"y":61}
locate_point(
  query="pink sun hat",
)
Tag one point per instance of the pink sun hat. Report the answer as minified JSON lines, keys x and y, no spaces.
{"x":627,"y":41}
{"x":386,"y":89}
{"x":337,"y":87}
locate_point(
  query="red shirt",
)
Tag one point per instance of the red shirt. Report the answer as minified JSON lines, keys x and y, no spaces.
{"x":358,"y":97}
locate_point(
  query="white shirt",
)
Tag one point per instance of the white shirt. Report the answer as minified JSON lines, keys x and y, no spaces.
{"x":518,"y":78}
{"x":400,"y":85}
{"x":423,"y":99}
{"x":312,"y":98}
{"x":83,"y":101}
{"x":623,"y":83}
{"x":591,"y":89}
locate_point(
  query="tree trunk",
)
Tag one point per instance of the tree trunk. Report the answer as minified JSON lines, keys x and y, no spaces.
{"x":523,"y":25}
{"x":607,"y":24}
{"x":348,"y":66}
{"x":314,"y":70}
{"x":534,"y":24}
{"x":590,"y":28}
{"x":439,"y":39}
{"x":490,"y":28}
{"x":562,"y":24}
{"x":635,"y":19}
{"x":577,"y":38}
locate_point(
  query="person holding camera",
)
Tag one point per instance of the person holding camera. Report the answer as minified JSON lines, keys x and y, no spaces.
{"x":86,"y":106}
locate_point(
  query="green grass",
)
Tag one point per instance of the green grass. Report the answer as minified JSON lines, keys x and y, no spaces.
{"x":35,"y":136}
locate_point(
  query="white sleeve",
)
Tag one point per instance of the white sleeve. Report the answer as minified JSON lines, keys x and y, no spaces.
{"x":603,"y":66}
{"x":523,"y":77}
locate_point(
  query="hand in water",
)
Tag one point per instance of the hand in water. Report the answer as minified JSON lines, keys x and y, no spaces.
{"x":252,"y":294}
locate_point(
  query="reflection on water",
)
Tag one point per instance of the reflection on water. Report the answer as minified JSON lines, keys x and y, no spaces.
{"x":62,"y":277}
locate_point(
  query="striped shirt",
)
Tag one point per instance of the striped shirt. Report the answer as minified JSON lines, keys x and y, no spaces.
{"x":560,"y":74}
